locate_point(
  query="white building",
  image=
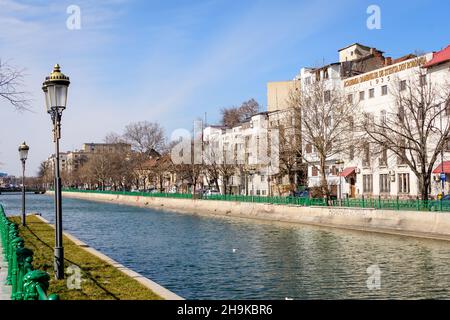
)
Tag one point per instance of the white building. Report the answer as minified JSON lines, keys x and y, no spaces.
{"x":240,"y":148}
{"x":371,"y":174}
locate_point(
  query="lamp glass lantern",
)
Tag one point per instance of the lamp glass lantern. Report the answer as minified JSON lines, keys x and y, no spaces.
{"x":23,"y":151}
{"x":55,"y":89}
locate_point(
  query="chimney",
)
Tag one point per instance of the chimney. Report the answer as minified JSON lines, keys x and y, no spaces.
{"x":387,"y":61}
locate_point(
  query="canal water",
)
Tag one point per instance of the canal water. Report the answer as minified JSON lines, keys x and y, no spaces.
{"x":230,"y":258}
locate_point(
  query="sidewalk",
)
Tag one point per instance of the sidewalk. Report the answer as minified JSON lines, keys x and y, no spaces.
{"x":5,"y":291}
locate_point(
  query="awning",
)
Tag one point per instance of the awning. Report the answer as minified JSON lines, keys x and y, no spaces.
{"x":347,"y":171}
{"x":442,"y":168}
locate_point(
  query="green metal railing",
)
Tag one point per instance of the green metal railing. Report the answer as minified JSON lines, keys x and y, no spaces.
{"x":363,"y":202}
{"x":26,"y":282}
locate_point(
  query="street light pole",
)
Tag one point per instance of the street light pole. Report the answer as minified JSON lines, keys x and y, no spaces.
{"x":59,"y":249}
{"x":23,"y":153}
{"x":55,"y":89}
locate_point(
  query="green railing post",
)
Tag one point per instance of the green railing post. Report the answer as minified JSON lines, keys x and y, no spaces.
{"x":363,"y":204}
{"x":379,"y":202}
{"x":16,"y":243}
{"x":24,"y":260}
{"x":35,"y":285}
{"x":397,"y":204}
{"x":19,"y":261}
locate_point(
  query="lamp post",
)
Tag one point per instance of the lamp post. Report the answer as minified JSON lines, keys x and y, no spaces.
{"x":23,"y":153}
{"x":252,"y":174}
{"x":55,"y":88}
{"x":340,"y":163}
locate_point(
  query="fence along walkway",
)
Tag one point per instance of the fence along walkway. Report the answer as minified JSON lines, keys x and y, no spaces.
{"x":363,"y":202}
{"x":26,"y":283}
{"x":5,"y":290}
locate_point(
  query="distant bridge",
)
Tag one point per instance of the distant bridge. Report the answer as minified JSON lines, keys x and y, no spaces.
{"x":19,"y":190}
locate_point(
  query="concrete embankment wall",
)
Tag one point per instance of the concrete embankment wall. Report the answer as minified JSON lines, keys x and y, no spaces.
{"x":435,"y":225}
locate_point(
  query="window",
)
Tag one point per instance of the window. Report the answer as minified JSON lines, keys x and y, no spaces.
{"x":352,"y":152}
{"x":420,"y":113}
{"x":402,"y":85}
{"x":403,"y":183}
{"x":366,"y":159}
{"x":351,"y":124}
{"x":308,"y":148}
{"x":371,"y":93}
{"x":263,"y":192}
{"x":263,"y":178}
{"x":401,"y":148}
{"x":258,"y":192}
{"x":362,"y":95}
{"x":308,"y":80}
{"x":334,"y":171}
{"x":423,"y":80}
{"x":383,"y":158}
{"x":325,"y":74}
{"x":383,"y":117}
{"x":314,"y":172}
{"x":401,"y":113}
{"x":447,"y":108}
{"x":327,"y":96}
{"x":385,"y":183}
{"x":367,"y":183}
{"x":384,"y":90}
{"x":447,"y":146}
{"x":350,"y":98}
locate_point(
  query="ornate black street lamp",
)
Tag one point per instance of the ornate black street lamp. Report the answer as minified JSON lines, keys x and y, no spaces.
{"x":55,"y":88}
{"x":23,"y":153}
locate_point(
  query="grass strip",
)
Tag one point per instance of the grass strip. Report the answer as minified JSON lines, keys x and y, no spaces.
{"x":100,"y":280}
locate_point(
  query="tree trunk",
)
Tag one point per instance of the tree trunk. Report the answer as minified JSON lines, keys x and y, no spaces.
{"x":323,"y":179}
{"x":216,"y":182}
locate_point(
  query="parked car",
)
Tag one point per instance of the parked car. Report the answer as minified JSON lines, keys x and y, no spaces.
{"x":211,"y":193}
{"x":300,"y":194}
{"x":446,"y":197}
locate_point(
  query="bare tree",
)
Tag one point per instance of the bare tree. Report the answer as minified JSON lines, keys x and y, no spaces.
{"x":219,"y":164}
{"x":45,"y":174}
{"x":234,"y":115}
{"x":145,"y":136}
{"x":288,"y":124}
{"x":326,"y":124}
{"x":113,"y":137}
{"x":147,"y":140}
{"x":11,"y":80}
{"x":416,"y":128}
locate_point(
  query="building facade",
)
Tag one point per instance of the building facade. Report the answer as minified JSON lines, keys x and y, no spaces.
{"x":369,"y":172}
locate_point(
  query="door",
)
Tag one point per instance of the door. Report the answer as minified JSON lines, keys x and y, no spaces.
{"x":352,"y":188}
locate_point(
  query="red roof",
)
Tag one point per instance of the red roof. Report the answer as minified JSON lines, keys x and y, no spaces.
{"x":438,"y":169}
{"x":439,"y":57}
{"x":347,"y":171}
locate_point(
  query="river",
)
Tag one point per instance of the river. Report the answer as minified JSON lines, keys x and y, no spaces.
{"x":200,"y":257}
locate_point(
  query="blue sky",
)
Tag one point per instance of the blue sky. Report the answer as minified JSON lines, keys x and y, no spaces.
{"x":171,"y":61}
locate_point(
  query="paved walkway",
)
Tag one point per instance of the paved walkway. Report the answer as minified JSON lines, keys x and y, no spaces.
{"x":5,"y":291}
